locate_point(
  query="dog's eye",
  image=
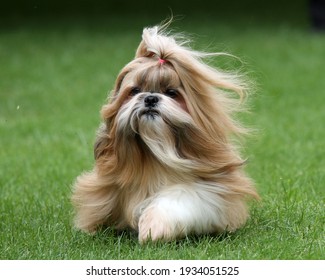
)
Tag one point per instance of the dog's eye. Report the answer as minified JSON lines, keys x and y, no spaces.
{"x":172,"y":93}
{"x":135,"y":91}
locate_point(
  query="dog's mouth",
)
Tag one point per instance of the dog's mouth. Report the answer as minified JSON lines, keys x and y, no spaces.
{"x":150,"y":113}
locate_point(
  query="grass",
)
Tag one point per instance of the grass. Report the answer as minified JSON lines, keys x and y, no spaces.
{"x":54,"y":79}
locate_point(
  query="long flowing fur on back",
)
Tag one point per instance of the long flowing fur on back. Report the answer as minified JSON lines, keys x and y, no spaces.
{"x":176,"y":171}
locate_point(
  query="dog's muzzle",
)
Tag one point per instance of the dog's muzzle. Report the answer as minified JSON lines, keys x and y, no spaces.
{"x":151,"y":101}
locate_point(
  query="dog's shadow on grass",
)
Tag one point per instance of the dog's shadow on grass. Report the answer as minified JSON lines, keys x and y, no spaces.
{"x":109,"y":243}
{"x":129,"y":236}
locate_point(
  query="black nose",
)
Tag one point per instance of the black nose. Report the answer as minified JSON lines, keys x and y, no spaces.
{"x":151,"y":100}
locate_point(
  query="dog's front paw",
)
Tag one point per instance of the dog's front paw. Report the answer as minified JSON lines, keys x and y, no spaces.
{"x":154,"y":226}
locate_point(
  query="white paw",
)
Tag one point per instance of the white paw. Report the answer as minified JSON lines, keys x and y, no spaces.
{"x":154,"y":226}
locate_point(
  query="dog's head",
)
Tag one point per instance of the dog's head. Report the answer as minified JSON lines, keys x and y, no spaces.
{"x":168,"y":103}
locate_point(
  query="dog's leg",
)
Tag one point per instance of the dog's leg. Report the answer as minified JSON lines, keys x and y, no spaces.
{"x":181,"y":210}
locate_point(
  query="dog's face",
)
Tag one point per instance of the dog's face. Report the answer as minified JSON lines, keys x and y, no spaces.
{"x":152,"y":95}
{"x":151,"y":105}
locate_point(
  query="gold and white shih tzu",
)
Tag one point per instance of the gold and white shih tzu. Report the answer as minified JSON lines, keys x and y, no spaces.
{"x":166,"y":164}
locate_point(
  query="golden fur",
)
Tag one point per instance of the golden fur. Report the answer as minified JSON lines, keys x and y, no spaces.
{"x":166,"y":164}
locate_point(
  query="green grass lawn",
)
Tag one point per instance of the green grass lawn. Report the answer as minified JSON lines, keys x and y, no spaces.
{"x":53,"y":81}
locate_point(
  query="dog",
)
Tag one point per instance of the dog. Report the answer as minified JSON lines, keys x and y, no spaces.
{"x":166,"y":164}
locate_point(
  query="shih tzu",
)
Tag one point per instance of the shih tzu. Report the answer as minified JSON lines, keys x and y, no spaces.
{"x":166,"y":164}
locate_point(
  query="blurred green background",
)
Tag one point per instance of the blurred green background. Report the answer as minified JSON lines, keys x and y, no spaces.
{"x":269,"y":10}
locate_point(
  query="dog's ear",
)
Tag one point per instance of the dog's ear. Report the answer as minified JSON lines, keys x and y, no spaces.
{"x":101,"y":142}
{"x":114,"y":103}
{"x":119,"y":80}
